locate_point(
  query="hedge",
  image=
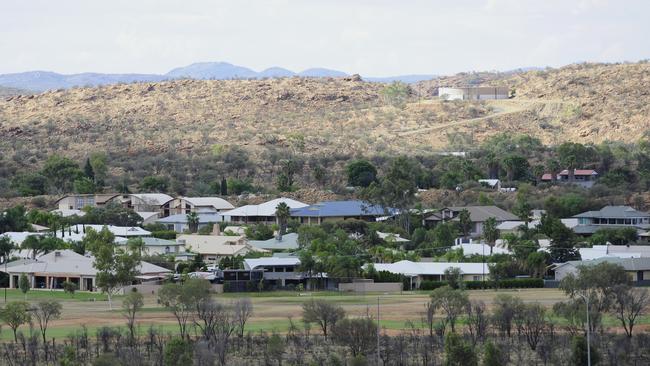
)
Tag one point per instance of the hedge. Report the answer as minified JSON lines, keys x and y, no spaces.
{"x":475,"y":285}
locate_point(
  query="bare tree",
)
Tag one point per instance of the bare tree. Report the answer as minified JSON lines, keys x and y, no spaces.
{"x":505,"y":311}
{"x":243,"y":310}
{"x":533,"y":323}
{"x":477,"y":320}
{"x":132,"y":303}
{"x":45,"y":311}
{"x":628,"y":304}
{"x":324,"y":313}
{"x":207,"y":314}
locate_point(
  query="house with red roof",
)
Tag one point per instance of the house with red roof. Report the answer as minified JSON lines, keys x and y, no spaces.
{"x":582,"y":177}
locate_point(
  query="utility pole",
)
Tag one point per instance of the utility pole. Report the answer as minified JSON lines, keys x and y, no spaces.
{"x":586,"y":298}
{"x":378,"y":327}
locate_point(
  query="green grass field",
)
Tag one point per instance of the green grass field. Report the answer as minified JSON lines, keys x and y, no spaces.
{"x":271,"y":309}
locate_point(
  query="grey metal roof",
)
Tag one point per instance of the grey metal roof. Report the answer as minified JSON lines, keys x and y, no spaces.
{"x":630,"y":264}
{"x":614,"y":212}
{"x":289,"y":241}
{"x":479,"y":213}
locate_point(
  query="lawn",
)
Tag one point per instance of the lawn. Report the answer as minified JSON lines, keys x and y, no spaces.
{"x":37,"y":295}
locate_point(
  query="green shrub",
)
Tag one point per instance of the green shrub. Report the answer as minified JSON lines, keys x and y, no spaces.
{"x":475,"y":285}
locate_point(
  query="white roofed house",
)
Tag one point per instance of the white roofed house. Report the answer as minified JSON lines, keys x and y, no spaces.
{"x":434,"y":271}
{"x":49,"y":271}
{"x":215,"y":247}
{"x":185,"y":205}
{"x":263,"y":213}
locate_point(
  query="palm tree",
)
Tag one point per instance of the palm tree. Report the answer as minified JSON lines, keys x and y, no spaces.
{"x":282,"y":213}
{"x":490,"y":232}
{"x":193,"y":221}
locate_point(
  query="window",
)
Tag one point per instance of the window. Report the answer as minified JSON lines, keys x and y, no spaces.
{"x":477,"y":278}
{"x":166,"y":249}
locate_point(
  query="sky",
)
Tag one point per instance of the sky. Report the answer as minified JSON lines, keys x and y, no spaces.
{"x":369,"y":37}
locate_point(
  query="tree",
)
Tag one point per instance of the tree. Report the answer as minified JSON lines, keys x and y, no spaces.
{"x":224,"y":186}
{"x":396,"y":93}
{"x":61,"y":173}
{"x":477,"y":320}
{"x":493,"y":355}
{"x":6,"y":246}
{"x":99,"y":166}
{"x":282,"y":214}
{"x":451,"y":302}
{"x":490,"y":232}
{"x":361,"y":173}
{"x":397,"y":189}
{"x":324,"y":313}
{"x":579,"y":352}
{"x":454,"y":277}
{"x":182,"y":300}
{"x":459,"y":352}
{"x":516,"y":166}
{"x":614,"y":236}
{"x":154,"y":184}
{"x":70,"y":287}
{"x":178,"y":352}
{"x":506,"y":309}
{"x":115,"y":266}
{"x":24,"y":285}
{"x":359,"y":335}
{"x":41,"y":244}
{"x":275,"y":347}
{"x":628,"y":304}
{"x":288,"y":169}
{"x":13,"y":219}
{"x":465,"y":222}
{"x":193,"y":221}
{"x":15,"y":314}
{"x":596,"y":282}
{"x":45,"y":311}
{"x":562,"y":247}
{"x":243,"y":310}
{"x":84,"y":185}
{"x":131,"y":304}
{"x":533,"y":323}
{"x":259,"y":232}
{"x":88,"y":170}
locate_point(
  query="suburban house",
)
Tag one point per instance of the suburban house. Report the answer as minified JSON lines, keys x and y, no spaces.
{"x":615,"y":251}
{"x":474,"y":93}
{"x":144,"y":202}
{"x":179,"y":224}
{"x":288,"y":241}
{"x":263,"y":213}
{"x":582,"y":177}
{"x":611,"y":217}
{"x":214,"y":247}
{"x":185,"y":205}
{"x":157,"y":246}
{"x":477,"y":214}
{"x":512,"y":227}
{"x":79,"y":201}
{"x":637,"y":268}
{"x":121,"y":231}
{"x":340,"y":210}
{"x":434,"y":271}
{"x":51,"y":270}
{"x":479,"y":249}
{"x":277,"y":271}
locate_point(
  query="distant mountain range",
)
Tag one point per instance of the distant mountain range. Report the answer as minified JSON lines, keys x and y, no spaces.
{"x":45,"y":80}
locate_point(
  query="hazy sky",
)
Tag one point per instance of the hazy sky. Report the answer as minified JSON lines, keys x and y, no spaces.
{"x":370,"y":37}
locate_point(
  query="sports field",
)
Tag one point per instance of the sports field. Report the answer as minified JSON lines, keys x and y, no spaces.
{"x":272,"y":310}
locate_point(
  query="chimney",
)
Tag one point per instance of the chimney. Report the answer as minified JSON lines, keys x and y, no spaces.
{"x":216,"y":229}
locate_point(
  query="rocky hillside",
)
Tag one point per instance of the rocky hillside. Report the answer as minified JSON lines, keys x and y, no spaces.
{"x":145,"y":128}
